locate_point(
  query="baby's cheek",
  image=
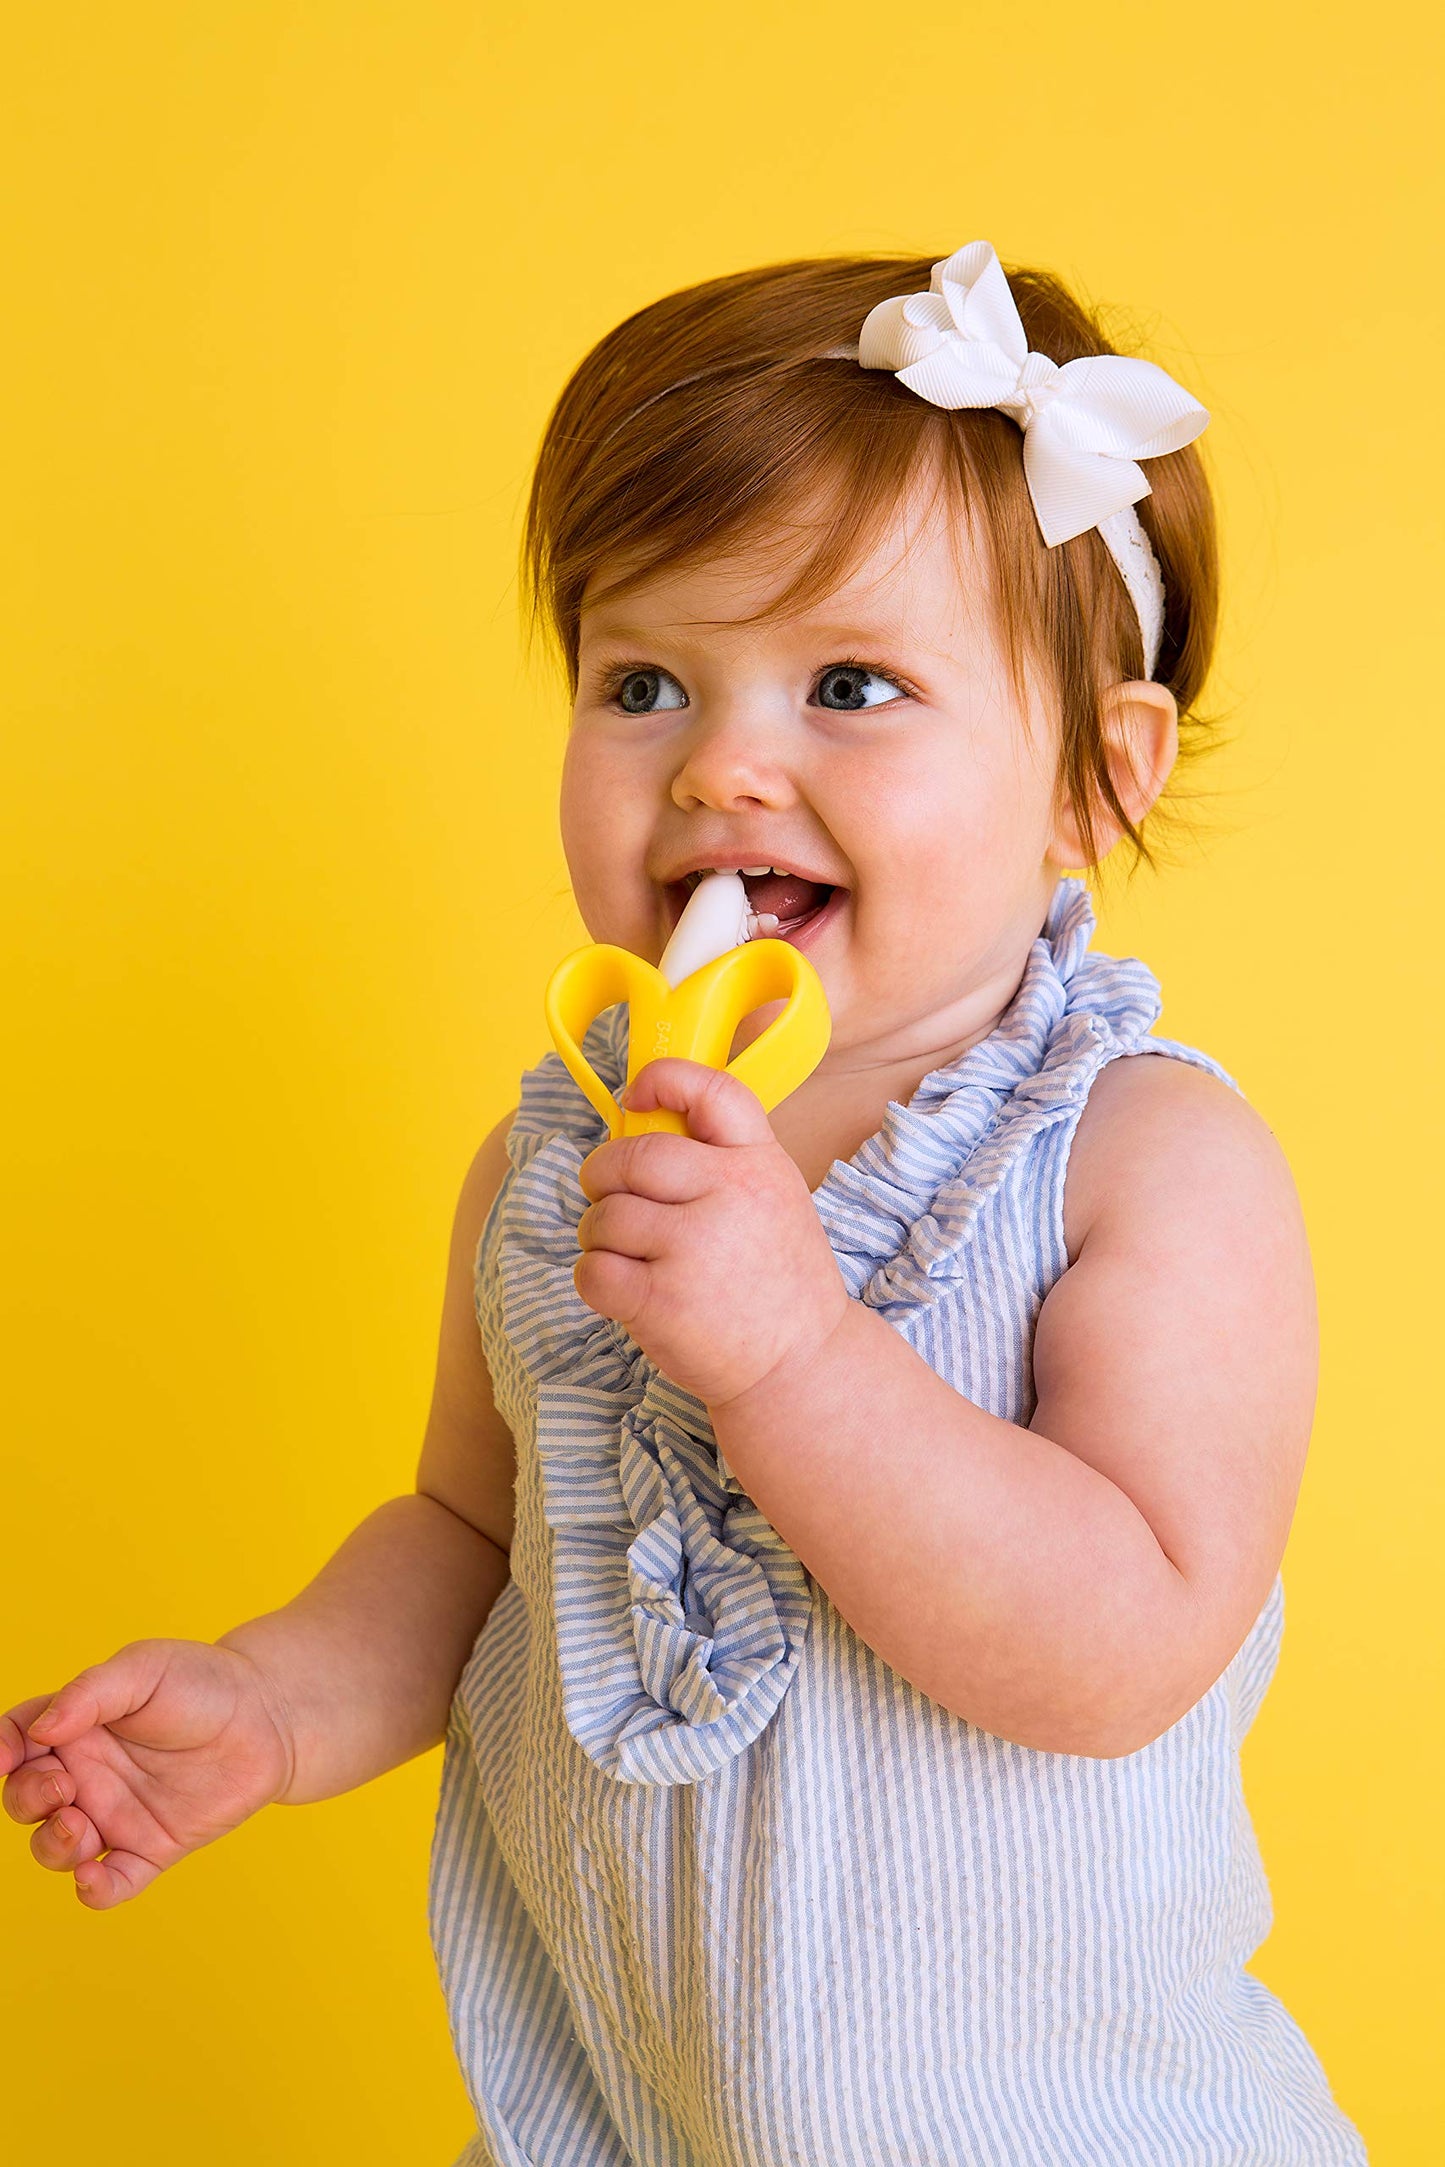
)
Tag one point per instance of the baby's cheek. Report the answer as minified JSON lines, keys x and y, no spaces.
{"x":603,"y":830}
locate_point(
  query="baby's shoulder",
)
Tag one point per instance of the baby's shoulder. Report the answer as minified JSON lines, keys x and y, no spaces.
{"x":1155,"y":1125}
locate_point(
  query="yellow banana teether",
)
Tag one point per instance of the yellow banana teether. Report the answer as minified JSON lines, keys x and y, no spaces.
{"x":711,"y":976}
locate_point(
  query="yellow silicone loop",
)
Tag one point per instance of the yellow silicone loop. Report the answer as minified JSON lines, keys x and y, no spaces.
{"x":695,"y":1020}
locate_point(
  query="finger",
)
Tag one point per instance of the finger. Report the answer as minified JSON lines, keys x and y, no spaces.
{"x":718,"y":1108}
{"x":102,"y":1693}
{"x":669,"y":1169}
{"x":15,"y":1745}
{"x":626,"y":1225}
{"x":615,"y":1286}
{"x":37,"y":1789}
{"x":114,"y":1880}
{"x":66,"y":1840}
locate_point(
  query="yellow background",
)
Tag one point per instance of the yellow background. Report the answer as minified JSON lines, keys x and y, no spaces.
{"x":289,"y":291}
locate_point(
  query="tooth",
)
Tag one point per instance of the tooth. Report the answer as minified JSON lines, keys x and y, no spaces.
{"x":757,"y":870}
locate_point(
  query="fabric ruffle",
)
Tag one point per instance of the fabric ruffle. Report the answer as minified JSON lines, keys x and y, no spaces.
{"x":680,"y":1611}
{"x":898,"y":1232}
{"x":681,"y":1614}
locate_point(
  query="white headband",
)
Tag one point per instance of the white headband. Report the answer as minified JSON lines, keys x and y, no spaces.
{"x":1084,"y":425}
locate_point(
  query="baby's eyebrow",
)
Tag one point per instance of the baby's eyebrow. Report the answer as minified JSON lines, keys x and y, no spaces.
{"x":842,"y":632}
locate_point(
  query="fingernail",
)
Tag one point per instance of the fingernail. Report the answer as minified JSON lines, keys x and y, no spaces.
{"x":50,"y":1792}
{"x":63,"y":1827}
{"x":43,"y":1722}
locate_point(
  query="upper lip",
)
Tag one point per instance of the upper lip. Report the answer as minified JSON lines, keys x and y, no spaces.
{"x":733,"y":855}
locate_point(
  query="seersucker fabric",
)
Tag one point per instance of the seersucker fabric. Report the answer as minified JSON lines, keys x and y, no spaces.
{"x":711,"y":1885}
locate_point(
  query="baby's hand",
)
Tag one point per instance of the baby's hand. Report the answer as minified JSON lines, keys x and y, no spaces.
{"x":166,"y":1746}
{"x":707,"y":1247}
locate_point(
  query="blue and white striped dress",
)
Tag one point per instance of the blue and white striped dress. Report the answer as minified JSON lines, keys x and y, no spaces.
{"x":713,"y":1886}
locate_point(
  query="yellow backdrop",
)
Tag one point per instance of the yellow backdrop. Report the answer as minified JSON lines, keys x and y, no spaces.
{"x":291,"y":288}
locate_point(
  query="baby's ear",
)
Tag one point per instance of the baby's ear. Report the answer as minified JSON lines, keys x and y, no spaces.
{"x":1141,"y":722}
{"x":1141,"y":736}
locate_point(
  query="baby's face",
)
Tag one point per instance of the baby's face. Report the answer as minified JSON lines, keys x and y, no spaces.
{"x":876,"y":744}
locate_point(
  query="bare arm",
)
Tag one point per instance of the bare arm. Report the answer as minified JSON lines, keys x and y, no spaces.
{"x":365,"y":1660}
{"x":1078,"y":1584}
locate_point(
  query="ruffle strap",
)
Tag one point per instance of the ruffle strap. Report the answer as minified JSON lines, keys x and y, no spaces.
{"x":680,"y":1612}
{"x":900,"y":1214}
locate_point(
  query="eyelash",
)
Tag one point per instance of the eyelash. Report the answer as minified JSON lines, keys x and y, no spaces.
{"x":617,"y":677}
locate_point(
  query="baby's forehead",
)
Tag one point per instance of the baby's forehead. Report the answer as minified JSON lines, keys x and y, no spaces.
{"x":911,"y":582}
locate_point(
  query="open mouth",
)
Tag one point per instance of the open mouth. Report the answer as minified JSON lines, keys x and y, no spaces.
{"x":801,"y":907}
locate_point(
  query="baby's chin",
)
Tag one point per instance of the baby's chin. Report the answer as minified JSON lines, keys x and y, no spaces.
{"x":752,"y":1027}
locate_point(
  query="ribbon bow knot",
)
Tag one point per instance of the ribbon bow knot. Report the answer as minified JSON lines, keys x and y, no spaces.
{"x":1086,"y":423}
{"x":1038,"y":381}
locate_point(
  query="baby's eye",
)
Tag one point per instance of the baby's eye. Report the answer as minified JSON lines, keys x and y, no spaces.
{"x":843,"y":684}
{"x":635,"y":692}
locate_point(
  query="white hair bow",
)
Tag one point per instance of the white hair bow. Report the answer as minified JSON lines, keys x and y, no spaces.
{"x":1085,"y":424}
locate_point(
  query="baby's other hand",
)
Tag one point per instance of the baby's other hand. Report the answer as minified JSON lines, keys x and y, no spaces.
{"x":147,"y":1756}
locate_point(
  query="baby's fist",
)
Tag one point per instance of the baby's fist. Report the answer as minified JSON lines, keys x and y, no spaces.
{"x":707,"y":1247}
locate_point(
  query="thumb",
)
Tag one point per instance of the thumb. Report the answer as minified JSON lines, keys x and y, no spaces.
{"x":102,"y":1693}
{"x":718,"y":1107}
